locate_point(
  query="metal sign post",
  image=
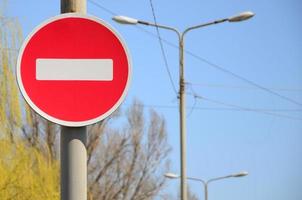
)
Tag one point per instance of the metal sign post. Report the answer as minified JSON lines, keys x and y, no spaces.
{"x":73,"y":153}
{"x":73,"y":163}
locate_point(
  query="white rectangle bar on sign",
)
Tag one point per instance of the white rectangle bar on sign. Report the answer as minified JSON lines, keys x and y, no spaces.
{"x":74,"y":69}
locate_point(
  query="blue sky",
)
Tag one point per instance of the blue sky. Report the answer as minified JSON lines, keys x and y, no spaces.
{"x":265,"y":50}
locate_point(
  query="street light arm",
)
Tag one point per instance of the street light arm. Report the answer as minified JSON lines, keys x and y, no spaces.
{"x":203,"y":25}
{"x":219,"y":178}
{"x":236,"y":175}
{"x":132,"y":21}
{"x":160,"y":26}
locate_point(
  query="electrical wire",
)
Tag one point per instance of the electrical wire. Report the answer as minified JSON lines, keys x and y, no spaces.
{"x":102,"y":7}
{"x":162,"y":48}
{"x":192,"y":108}
{"x":241,"y":87}
{"x":241,"y":108}
{"x":219,"y":108}
{"x":248,"y":81}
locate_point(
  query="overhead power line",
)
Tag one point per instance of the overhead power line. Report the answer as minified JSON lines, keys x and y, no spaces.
{"x":162,"y":48}
{"x":212,"y":64}
{"x":102,"y":7}
{"x":233,"y":108}
{"x":247,"y":80}
{"x":240,"y":87}
{"x":241,"y":108}
{"x":223,"y":108}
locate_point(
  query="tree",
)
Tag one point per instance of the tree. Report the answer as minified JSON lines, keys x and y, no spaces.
{"x":191,"y":195}
{"x":130,"y":161}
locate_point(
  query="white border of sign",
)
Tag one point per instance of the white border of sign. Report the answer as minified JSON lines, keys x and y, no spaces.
{"x":53,"y":119}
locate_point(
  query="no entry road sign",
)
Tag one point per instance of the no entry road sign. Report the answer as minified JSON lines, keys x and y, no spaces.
{"x":74,"y":70}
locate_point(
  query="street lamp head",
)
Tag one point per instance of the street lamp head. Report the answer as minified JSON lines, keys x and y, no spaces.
{"x":241,"y":17}
{"x":125,"y":20}
{"x":171,"y":175}
{"x":240,"y":174}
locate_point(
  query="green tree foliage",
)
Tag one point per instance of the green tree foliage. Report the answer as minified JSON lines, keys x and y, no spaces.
{"x":26,"y":173}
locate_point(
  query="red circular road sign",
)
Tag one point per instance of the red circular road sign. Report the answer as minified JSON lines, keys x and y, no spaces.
{"x":74,"y":70}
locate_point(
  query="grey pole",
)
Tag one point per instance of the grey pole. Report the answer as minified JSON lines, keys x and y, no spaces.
{"x":182,"y":114}
{"x":73,"y":163}
{"x":78,"y":6}
{"x":73,"y":141}
{"x":206,"y":191}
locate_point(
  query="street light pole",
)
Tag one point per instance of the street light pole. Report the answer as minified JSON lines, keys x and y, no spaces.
{"x":205,"y":191}
{"x":182,"y":118}
{"x":206,"y":183}
{"x":182,"y":99}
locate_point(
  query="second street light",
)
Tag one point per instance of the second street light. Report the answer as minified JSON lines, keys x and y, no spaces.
{"x":206,"y":183}
{"x":182,"y":111}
